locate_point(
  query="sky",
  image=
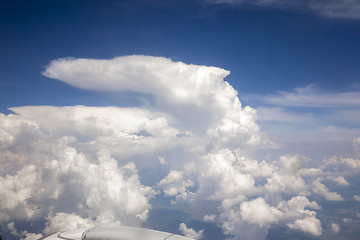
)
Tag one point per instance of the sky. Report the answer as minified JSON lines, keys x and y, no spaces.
{"x":214,"y":119}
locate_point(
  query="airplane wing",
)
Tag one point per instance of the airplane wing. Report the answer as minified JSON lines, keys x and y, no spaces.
{"x":114,"y":233}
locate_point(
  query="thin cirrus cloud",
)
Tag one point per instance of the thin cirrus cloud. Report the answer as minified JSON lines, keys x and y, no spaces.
{"x":312,"y":115}
{"x":308,"y":111}
{"x":329,"y":9}
{"x":310,"y":97}
{"x":85,"y":164}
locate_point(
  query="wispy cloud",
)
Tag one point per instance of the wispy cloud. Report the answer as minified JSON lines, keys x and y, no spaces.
{"x":312,"y":115}
{"x":309,"y":96}
{"x":280,"y":114}
{"x":331,"y":9}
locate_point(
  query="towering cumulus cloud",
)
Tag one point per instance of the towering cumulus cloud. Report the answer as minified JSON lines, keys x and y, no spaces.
{"x":175,"y":87}
{"x":79,"y":166}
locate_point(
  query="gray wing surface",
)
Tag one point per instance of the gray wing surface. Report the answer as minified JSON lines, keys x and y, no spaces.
{"x":114,"y":233}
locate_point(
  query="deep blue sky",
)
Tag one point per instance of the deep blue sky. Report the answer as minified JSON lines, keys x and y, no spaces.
{"x":265,"y":49}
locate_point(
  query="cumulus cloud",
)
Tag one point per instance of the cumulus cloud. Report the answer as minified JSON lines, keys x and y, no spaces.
{"x":238,"y":214}
{"x":335,"y":228}
{"x":63,"y":220}
{"x":221,"y":177}
{"x":351,"y":162}
{"x":174,"y":184}
{"x":32,"y":236}
{"x":189,"y":232}
{"x":16,"y":190}
{"x":124,"y":131}
{"x":340,"y":180}
{"x":258,"y":212}
{"x":309,"y":225}
{"x":175,"y":87}
{"x":288,"y":178}
{"x":79,"y":166}
{"x":86,"y":155}
{"x":330,"y":9}
{"x":338,"y":163}
{"x":320,"y":189}
{"x":251,"y":219}
{"x":67,"y":186}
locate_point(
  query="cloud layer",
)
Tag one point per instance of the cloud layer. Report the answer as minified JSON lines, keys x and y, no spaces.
{"x":330,"y":9}
{"x":310,"y":97}
{"x":327,"y":120}
{"x":191,"y":143}
{"x":174,"y":86}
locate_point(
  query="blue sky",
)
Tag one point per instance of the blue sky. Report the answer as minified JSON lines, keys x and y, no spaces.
{"x":265,"y":49}
{"x":139,"y":87}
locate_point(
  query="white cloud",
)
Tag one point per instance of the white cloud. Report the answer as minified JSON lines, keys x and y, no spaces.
{"x":310,"y":120}
{"x":323,"y":191}
{"x":32,"y":236}
{"x":330,"y":9}
{"x":56,"y":178}
{"x":335,"y":228}
{"x":83,"y":165}
{"x":162,"y":160}
{"x":209,"y":218}
{"x":91,"y":122}
{"x":12,"y":229}
{"x":174,"y":184}
{"x":258,"y":212}
{"x":335,"y":163}
{"x":337,"y":9}
{"x":357,"y":198}
{"x":351,"y":162}
{"x":167,"y":80}
{"x":279,"y":114}
{"x":15,"y":191}
{"x":288,"y":177}
{"x":310,"y":97}
{"x":298,"y":204}
{"x":340,"y":180}
{"x":189,"y":232}
{"x":310,"y":225}
{"x":124,"y":131}
{"x":69,"y":221}
{"x":176,"y":87}
{"x":251,"y":219}
{"x":10,"y":135}
{"x":220,"y":176}
{"x":73,"y":149}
